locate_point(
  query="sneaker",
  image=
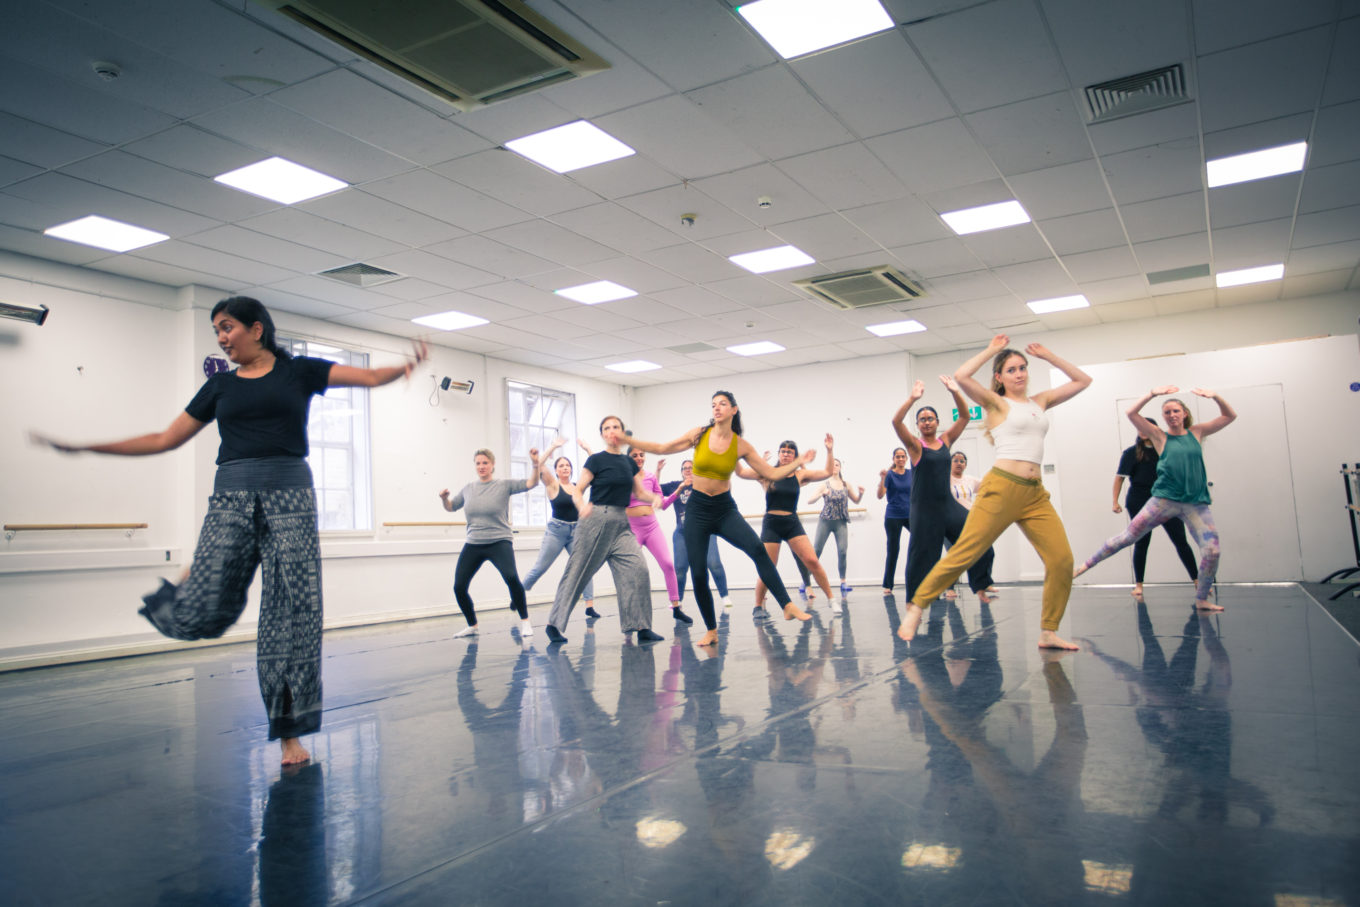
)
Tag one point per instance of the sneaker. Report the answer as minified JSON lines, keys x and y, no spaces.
{"x":802,"y":591}
{"x":554,"y":634}
{"x":645,"y":635}
{"x":466,"y":631}
{"x":526,"y":629}
{"x":681,"y":616}
{"x":845,"y":590}
{"x":835,"y":607}
{"x":758,"y":613}
{"x":727,"y":601}
{"x":592,"y":613}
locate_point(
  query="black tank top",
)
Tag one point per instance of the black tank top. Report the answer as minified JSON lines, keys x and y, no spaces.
{"x":563,"y":507}
{"x":783,"y":494}
{"x":930,"y":482}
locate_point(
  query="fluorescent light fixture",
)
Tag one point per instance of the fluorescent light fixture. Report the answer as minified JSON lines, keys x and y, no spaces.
{"x":893,"y":328}
{"x":759,"y":348}
{"x":103,"y":233}
{"x":776,"y":259}
{"x":24,"y":313}
{"x":796,"y":27}
{"x":281,"y":181}
{"x":570,"y":147}
{"x":1255,"y":165}
{"x":986,"y":217}
{"x":597,"y":292}
{"x":1249,"y":275}
{"x":1058,"y":304}
{"x":634,"y":365}
{"x":449,"y":321}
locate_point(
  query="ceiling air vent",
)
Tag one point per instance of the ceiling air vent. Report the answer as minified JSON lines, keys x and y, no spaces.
{"x":467,"y":52}
{"x":361,"y":275}
{"x":863,"y":288}
{"x":1144,"y":91}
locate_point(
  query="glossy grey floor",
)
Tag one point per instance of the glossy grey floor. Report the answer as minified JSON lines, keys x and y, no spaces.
{"x":1175,"y":759}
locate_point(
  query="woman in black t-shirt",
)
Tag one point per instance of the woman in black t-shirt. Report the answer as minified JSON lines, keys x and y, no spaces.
{"x":262,"y":511}
{"x":1138,"y":464}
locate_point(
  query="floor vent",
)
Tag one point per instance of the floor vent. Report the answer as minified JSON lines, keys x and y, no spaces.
{"x":863,"y":288}
{"x":361,"y":275}
{"x":1138,"y":93}
{"x":470,"y":53}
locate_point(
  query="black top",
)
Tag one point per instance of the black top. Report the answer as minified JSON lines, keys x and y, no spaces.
{"x":782,"y":494}
{"x":930,"y":486}
{"x":681,"y":499}
{"x":264,"y":416}
{"x":1142,"y":473}
{"x":613,"y":478}
{"x":563,"y":507}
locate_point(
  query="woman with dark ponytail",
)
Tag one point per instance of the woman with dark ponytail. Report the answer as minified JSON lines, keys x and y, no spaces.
{"x":262,"y":511}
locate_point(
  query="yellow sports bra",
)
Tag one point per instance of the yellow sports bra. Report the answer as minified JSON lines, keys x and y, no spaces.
{"x":710,"y":465}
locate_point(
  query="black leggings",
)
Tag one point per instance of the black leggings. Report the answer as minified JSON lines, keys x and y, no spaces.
{"x":893,"y":526}
{"x":502,"y":556}
{"x":708,"y":515}
{"x":1134,"y":501}
{"x":932,"y":531}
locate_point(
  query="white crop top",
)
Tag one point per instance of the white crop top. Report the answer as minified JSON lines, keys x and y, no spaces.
{"x":1021,"y":435}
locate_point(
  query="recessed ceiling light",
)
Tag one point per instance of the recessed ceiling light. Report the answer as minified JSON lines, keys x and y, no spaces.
{"x":759,"y":348}
{"x":893,"y":328}
{"x":1255,"y":165}
{"x":776,"y":259}
{"x":634,"y":365}
{"x":105,"y":234}
{"x":570,"y":147}
{"x":1058,"y":304}
{"x":796,"y":27}
{"x":281,"y":181}
{"x":1249,"y":275}
{"x":449,"y":321}
{"x":986,"y":217}
{"x":597,"y":292}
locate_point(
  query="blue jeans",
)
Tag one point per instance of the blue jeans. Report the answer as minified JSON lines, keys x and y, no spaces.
{"x":715,"y":565}
{"x":559,"y":534}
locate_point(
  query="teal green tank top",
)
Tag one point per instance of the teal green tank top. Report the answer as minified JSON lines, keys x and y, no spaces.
{"x":1180,"y":471}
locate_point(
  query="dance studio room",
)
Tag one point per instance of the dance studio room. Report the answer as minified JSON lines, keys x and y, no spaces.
{"x":979,"y":380}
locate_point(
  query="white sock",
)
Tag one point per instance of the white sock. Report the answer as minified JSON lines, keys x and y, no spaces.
{"x":727,"y":601}
{"x":526,"y":629}
{"x":466,"y":631}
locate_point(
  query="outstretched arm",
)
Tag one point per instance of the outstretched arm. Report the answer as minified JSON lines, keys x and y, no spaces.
{"x":684,"y":442}
{"x":1226,"y":415}
{"x":350,"y":376}
{"x":952,"y":433}
{"x":827,"y":471}
{"x":763,"y":469}
{"x":181,"y":430}
{"x":899,"y":422}
{"x":1078,"y":380}
{"x":1145,"y":428}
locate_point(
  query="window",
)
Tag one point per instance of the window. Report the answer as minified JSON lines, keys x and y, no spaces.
{"x":537,"y":416}
{"x":338,"y":434}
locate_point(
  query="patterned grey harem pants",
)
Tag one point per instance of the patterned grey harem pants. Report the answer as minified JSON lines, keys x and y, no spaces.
{"x":605,"y":537}
{"x":244,"y":529}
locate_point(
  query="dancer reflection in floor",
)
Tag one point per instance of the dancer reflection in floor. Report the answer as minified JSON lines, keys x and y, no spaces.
{"x":1012,"y":492}
{"x":1182,"y":486}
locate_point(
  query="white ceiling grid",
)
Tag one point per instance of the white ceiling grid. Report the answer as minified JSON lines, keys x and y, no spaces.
{"x":858,"y":149}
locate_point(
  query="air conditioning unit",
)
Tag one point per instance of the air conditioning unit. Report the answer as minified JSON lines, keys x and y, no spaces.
{"x":863,"y":288}
{"x":469,"y":53}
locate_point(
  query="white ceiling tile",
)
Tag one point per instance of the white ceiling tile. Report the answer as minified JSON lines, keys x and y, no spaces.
{"x":82,"y":111}
{"x":869,"y":346}
{"x":1234,"y":88}
{"x":952,"y":314}
{"x":1095,"y":48}
{"x":741,"y":191}
{"x":644,"y":310}
{"x":547,"y":240}
{"x":626,"y":176}
{"x":936,"y":156}
{"x":1176,"y":252}
{"x":1250,"y":245}
{"x":1343,"y":73}
{"x":384,"y":325}
{"x":599,"y":318}
{"x":1156,"y":171}
{"x":652,"y":337}
{"x":900,"y":222}
{"x":548,"y":326}
{"x":1059,"y":191}
{"x":267,"y":249}
{"x":990,"y":55}
{"x":1258,"y":200}
{"x":1115,"y":289}
{"x":42,"y":145}
{"x":665,"y":206}
{"x":1065,"y":321}
{"x":624,"y":84}
{"x":323,"y":288}
{"x":293,"y":224}
{"x":489,"y":255}
{"x":230,"y":268}
{"x":695,"y":301}
{"x":557,"y":279}
{"x":1032,"y":134}
{"x":1254,"y":136}
{"x":501,"y":123}
{"x":1163,"y":217}
{"x":1336,"y":136}
{"x":752,"y":290}
{"x":1010,"y":246}
{"x":410,"y":309}
{"x":1185,"y":302}
{"x":1083,"y":232}
{"x":1249,"y":294}
{"x":1313,"y":284}
{"x":1155,"y":127}
{"x":516,"y":181}
{"x":1037,"y":279}
{"x":1315,"y":259}
{"x":1132,"y":310}
{"x":772,"y":112}
{"x":876,"y":85}
{"x":64,"y":198}
{"x":964,"y":287}
{"x":1329,"y":187}
{"x":434,"y":268}
{"x":194,"y":150}
{"x":634,"y":274}
{"x":1101,"y":264}
{"x":531,"y":299}
{"x":1001,"y":308}
{"x":616,"y":226}
{"x":140,"y":268}
{"x":147,"y":179}
{"x":848,"y":176}
{"x":410,"y":289}
{"x":938,"y":258}
{"x":826,"y":236}
{"x":1221,"y":24}
{"x":970,"y":195}
{"x":680,"y":137}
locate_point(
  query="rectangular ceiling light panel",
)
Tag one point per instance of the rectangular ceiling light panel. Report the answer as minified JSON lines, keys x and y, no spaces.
{"x":449,"y":321}
{"x":633,"y":365}
{"x":893,"y":328}
{"x":1249,"y":275}
{"x":571,"y":147}
{"x":1256,"y":165}
{"x":597,"y":292}
{"x":759,"y":348}
{"x":797,"y":27}
{"x":1058,"y":304}
{"x":103,"y":233}
{"x":986,"y":217}
{"x":779,"y":258}
{"x":280,"y":180}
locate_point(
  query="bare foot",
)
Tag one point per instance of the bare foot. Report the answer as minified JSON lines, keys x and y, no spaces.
{"x":1078,"y":571}
{"x":950,"y":595}
{"x":1137,"y":593}
{"x":293,"y":752}
{"x":1051,"y":640}
{"x":792,"y":611}
{"x":708,"y":639}
{"x":984,"y":597}
{"x":887,"y":591}
{"x":1201,"y":605}
{"x":906,"y":631}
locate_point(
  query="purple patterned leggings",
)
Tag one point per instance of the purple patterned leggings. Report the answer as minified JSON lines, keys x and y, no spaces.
{"x":1198,"y":517}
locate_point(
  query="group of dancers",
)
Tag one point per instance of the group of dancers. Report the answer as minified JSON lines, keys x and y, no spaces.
{"x":263,"y":508}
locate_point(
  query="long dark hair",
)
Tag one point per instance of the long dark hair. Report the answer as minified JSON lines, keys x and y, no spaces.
{"x":251,"y":312}
{"x":736,"y":416}
{"x":1140,"y":449}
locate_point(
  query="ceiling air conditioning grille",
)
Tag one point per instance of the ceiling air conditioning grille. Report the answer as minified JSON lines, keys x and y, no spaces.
{"x":467,"y":52}
{"x":863,"y":288}
{"x":1136,"y":93}
{"x":361,"y":275}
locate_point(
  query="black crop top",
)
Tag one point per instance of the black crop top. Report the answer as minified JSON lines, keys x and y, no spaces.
{"x":783,"y":494}
{"x":563,"y":507}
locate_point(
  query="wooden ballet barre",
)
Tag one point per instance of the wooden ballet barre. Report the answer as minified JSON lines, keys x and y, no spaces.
{"x":12,"y":528}
{"x":425,"y":523}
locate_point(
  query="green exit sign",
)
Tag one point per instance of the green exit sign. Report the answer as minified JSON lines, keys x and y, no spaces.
{"x":974,"y":412}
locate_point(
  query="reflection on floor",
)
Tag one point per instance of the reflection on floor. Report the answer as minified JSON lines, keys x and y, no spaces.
{"x":1176,"y":759}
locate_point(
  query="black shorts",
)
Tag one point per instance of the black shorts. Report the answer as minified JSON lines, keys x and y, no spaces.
{"x":780,"y":528}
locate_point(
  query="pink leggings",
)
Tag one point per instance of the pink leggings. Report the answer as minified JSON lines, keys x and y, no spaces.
{"x":649,"y":536}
